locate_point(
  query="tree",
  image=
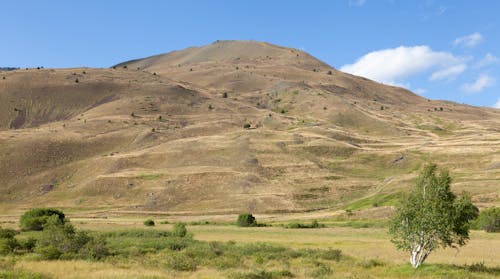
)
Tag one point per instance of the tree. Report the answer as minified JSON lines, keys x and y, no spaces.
{"x":431,"y":216}
{"x":34,"y":219}
{"x":246,"y":220}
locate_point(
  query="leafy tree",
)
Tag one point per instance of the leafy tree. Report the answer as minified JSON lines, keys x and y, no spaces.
{"x":246,"y":220}
{"x":34,"y":219}
{"x":431,"y":216}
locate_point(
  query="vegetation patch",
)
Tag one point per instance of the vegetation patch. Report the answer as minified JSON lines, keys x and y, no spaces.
{"x":149,"y":176}
{"x":376,"y":201}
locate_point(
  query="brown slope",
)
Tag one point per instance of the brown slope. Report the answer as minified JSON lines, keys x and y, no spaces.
{"x":91,"y":144}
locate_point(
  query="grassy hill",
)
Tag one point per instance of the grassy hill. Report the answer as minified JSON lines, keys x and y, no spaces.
{"x":229,"y":127}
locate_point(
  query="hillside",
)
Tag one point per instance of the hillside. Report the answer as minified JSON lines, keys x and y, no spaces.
{"x":166,"y":134}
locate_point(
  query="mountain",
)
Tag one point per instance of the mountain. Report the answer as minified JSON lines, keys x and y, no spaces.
{"x":229,"y":127}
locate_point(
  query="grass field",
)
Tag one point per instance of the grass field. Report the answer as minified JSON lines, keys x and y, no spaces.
{"x":222,"y":250}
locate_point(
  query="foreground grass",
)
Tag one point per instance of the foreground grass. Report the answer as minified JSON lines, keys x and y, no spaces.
{"x":232,"y":252}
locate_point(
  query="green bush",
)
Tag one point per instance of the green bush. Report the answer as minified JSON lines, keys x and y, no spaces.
{"x":149,"y":223}
{"x":35,"y":219}
{"x":176,"y":244}
{"x":179,"y":230}
{"x":247,"y":126}
{"x":8,"y":245}
{"x":181,"y":262}
{"x":28,"y":244}
{"x":314,"y":225}
{"x":59,"y":240}
{"x":49,"y":252}
{"x":246,"y":220}
{"x":488,"y":220}
{"x":321,"y":271}
{"x":95,"y":248}
{"x":7,"y":233}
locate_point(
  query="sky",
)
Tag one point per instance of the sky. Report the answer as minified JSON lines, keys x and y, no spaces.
{"x":448,"y":50}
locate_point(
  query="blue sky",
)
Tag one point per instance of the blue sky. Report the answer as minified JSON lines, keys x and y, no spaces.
{"x":439,"y":49}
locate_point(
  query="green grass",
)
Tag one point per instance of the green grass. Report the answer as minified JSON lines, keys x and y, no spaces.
{"x":375,"y":201}
{"x":149,"y":176}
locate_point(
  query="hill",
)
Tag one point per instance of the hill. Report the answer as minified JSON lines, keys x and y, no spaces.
{"x":229,"y":127}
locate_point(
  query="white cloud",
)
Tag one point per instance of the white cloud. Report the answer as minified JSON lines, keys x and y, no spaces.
{"x":481,"y":82}
{"x":487,"y":60}
{"x":448,"y":73}
{"x":392,"y":66}
{"x":471,"y":40}
{"x":357,"y":3}
{"x":497,"y":104}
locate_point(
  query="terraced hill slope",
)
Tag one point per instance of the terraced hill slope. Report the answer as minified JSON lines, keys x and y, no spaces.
{"x":230,"y":127}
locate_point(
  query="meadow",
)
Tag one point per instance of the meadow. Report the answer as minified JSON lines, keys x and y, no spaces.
{"x":220,"y":249}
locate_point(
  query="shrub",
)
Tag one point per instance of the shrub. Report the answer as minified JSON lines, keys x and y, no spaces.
{"x":329,"y":72}
{"x":149,"y":223}
{"x":179,"y":230}
{"x":7,"y":233}
{"x":8,"y":245}
{"x":28,"y":244}
{"x":176,"y":244}
{"x":314,"y":225}
{"x":35,"y":219}
{"x":246,"y":220}
{"x":321,"y":271}
{"x":181,"y":262}
{"x":224,"y":95}
{"x":61,"y":240}
{"x":95,"y":248}
{"x":49,"y":252}
{"x":489,"y":220}
{"x":331,"y":254}
{"x":246,"y":126}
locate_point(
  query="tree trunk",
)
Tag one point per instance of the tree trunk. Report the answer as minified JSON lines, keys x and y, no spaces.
{"x":418,"y":255}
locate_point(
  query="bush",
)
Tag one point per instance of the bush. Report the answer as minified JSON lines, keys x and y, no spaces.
{"x":179,"y":230}
{"x":95,"y":248}
{"x":149,"y":223}
{"x":247,"y":126}
{"x":321,"y":271}
{"x":8,"y":245}
{"x":246,"y":220}
{"x":49,"y":252}
{"x":28,"y":244}
{"x":489,"y":220}
{"x":224,"y":95}
{"x":61,"y":240}
{"x":35,"y":219}
{"x":176,"y":244}
{"x":7,"y":233}
{"x":181,"y":262}
{"x":314,"y":225}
